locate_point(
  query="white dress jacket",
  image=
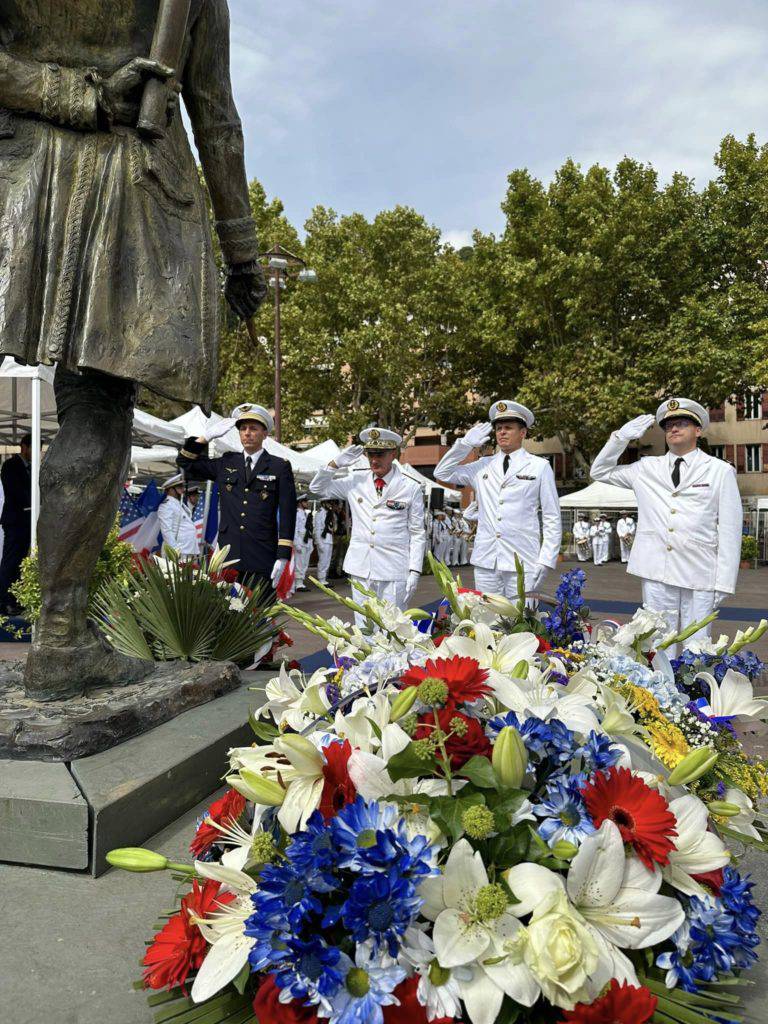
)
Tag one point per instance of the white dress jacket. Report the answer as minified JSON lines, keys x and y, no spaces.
{"x":689,"y":536}
{"x":388,"y":534}
{"x":508,"y":507}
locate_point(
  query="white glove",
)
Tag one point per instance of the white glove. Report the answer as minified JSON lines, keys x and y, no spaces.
{"x":635,"y":429}
{"x":538,"y":575}
{"x":720,"y":596}
{"x":349,"y":456}
{"x":277,"y":570}
{"x":411,"y":584}
{"x":477,"y":436}
{"x":219,"y":428}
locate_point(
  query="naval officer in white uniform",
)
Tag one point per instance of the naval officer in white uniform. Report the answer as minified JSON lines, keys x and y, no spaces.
{"x":581,"y":537}
{"x":511,"y":488}
{"x":625,"y":531}
{"x":175,"y":518}
{"x":386,"y":548}
{"x":688,"y":540}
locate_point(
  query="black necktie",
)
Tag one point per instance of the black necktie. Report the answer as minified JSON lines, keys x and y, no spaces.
{"x":506,"y":464}
{"x":248,"y":468}
{"x":676,"y":471}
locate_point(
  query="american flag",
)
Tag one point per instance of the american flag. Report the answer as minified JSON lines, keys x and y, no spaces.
{"x":139,"y":525}
{"x":207,"y":529}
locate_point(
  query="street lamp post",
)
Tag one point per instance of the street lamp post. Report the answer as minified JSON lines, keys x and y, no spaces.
{"x":282,"y":264}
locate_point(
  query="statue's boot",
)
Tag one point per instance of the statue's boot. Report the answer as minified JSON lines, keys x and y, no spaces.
{"x":55,"y":673}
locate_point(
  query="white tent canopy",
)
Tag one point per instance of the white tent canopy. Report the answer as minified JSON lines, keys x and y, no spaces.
{"x":600,"y":496}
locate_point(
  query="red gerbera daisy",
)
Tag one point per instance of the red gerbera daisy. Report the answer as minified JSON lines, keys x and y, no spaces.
{"x":465,"y":680}
{"x":642,"y":815}
{"x":223,"y":812}
{"x":621,"y":1004}
{"x":269,"y":1009}
{"x":179,"y":946}
{"x":338,"y":788}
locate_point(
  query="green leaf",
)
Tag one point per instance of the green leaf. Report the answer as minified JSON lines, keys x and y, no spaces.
{"x":374,"y":727}
{"x":510,"y":848}
{"x":480,"y":772}
{"x":509,"y":1012}
{"x":408,"y":765}
{"x":242,"y":978}
{"x":262,"y":729}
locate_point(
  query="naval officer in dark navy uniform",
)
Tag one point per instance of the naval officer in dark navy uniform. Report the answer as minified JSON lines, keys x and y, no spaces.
{"x":257,"y":496}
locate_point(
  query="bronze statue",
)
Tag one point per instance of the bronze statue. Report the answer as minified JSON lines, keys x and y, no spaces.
{"x":106,"y":264}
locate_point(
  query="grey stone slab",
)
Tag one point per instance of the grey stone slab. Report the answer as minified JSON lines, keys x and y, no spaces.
{"x":140,"y":786}
{"x":43,"y":816}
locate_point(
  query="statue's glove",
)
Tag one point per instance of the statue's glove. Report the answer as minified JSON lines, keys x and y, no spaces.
{"x":245,"y":288}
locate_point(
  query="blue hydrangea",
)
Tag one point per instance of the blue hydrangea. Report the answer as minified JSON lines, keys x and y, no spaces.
{"x":564,"y":812}
{"x":379,"y":668}
{"x":745,"y":662}
{"x":564,"y":623}
{"x":545,"y":741}
{"x":664,"y":690}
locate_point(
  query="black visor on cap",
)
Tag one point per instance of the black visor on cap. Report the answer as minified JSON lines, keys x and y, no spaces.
{"x":509,"y":419}
{"x":681,"y":414}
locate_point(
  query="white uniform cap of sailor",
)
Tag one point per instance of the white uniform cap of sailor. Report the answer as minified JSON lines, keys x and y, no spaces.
{"x":683,"y":407}
{"x":380,"y":439}
{"x":507,"y":410}
{"x":254,"y":413}
{"x":177,"y":480}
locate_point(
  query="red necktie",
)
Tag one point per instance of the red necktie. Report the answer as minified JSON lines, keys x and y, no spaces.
{"x":378,"y":483}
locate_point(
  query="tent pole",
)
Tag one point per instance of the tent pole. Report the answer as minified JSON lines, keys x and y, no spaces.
{"x":36,"y":432}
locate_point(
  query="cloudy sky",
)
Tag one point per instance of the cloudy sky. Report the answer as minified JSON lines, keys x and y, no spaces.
{"x":362,"y":104}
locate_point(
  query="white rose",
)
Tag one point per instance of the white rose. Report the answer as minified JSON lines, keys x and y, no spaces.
{"x":561,"y":953}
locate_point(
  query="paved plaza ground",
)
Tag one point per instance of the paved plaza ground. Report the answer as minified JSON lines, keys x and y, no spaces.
{"x":72,"y":944}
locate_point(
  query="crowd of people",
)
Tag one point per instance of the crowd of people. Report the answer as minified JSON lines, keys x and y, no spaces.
{"x":592,"y":540}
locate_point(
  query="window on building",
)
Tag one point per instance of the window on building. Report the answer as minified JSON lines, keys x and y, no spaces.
{"x":752,"y":458}
{"x":717,"y":451}
{"x":753,"y":406}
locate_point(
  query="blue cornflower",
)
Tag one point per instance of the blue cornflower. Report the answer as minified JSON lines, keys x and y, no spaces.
{"x":311,"y":970}
{"x":370,"y":837}
{"x":552,"y":740}
{"x":380,"y":907}
{"x":368,"y":986}
{"x":564,"y":812}
{"x":599,"y":752}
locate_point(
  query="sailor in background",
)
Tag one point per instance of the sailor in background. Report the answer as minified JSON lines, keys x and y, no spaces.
{"x":625,"y":531}
{"x":688,"y":541}
{"x":257,"y":495}
{"x":581,"y":537}
{"x":322,"y":529}
{"x":512,"y":487}
{"x":175,"y":519}
{"x":302,"y":542}
{"x":438,"y":535}
{"x":386,"y":549}
{"x":604,"y":531}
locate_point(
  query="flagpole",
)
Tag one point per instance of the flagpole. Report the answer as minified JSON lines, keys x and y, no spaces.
{"x":206,"y":510}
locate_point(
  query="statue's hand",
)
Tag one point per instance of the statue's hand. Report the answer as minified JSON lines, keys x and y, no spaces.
{"x":245,"y":289}
{"x":121,"y":93}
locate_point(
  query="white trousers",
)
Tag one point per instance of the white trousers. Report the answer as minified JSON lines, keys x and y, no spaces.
{"x":679,"y":606}
{"x":301,"y":556}
{"x":464,"y":552}
{"x":503,"y":581}
{"x":626,"y":547}
{"x":600,"y":550}
{"x":324,"y":552}
{"x":386,"y":590}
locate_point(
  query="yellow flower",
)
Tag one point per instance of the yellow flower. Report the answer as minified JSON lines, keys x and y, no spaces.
{"x":667,"y":742}
{"x":641,"y":701}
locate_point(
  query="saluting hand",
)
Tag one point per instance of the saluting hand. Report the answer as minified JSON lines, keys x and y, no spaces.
{"x":477,"y":436}
{"x":348,"y":457}
{"x":635,"y":429}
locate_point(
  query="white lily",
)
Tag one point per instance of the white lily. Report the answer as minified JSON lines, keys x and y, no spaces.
{"x":293,"y":701}
{"x":696,"y":850}
{"x":498,"y":655}
{"x":224,"y":931}
{"x":548,"y":701}
{"x":360,"y":722}
{"x":466,"y":933}
{"x":742,"y":822}
{"x":733,"y":696}
{"x":306,"y":785}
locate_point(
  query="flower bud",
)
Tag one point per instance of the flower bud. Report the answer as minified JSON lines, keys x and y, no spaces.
{"x":500,"y":604}
{"x":564,"y":850}
{"x":403,"y":703}
{"x":509,"y":757}
{"x":418,"y":614}
{"x":723,"y":808}
{"x":693,"y":766}
{"x":136,"y":858}
{"x":256,"y":788}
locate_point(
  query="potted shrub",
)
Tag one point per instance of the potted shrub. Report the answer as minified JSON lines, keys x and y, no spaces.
{"x":748,"y":552}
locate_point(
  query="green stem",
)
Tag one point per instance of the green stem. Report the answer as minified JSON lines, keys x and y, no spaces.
{"x":448,"y":775}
